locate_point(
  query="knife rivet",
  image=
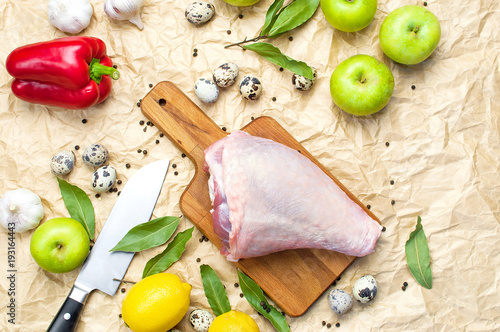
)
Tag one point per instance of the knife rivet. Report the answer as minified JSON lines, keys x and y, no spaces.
{"x":67,"y":316}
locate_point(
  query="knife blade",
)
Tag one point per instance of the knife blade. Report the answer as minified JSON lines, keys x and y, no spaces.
{"x":134,"y":206}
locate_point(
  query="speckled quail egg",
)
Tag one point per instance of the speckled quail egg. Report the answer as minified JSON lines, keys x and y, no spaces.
{"x":225,"y":75}
{"x":95,"y":155}
{"x":302,"y":83}
{"x":206,"y":90}
{"x":200,"y":320}
{"x":199,"y":12}
{"x":62,"y":163}
{"x":365,"y":289}
{"x":103,"y":179}
{"x":340,"y":301}
{"x":250,"y":87}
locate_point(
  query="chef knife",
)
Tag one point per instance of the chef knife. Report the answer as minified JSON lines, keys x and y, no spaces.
{"x":134,"y":206}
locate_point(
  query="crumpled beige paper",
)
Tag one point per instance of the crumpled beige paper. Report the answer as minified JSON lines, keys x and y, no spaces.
{"x":443,"y":155}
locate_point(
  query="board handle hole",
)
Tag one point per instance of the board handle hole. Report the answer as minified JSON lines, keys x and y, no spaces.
{"x":162,"y":102}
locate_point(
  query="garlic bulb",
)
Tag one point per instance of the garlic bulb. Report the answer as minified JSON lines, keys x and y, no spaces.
{"x":70,"y":16}
{"x":21,"y":210}
{"x":124,"y":10}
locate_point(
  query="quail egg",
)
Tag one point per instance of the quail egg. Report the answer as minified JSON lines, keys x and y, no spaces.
{"x":340,"y":301}
{"x":103,"y":179}
{"x":95,"y":155}
{"x":365,"y":289}
{"x":206,"y":90}
{"x":62,"y":163}
{"x":302,"y":83}
{"x":250,"y":87}
{"x":225,"y":75}
{"x":200,"y":320}
{"x":199,"y":12}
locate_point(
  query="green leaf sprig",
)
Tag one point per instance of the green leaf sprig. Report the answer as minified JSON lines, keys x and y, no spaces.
{"x":279,"y":19}
{"x":214,"y":291}
{"x":418,"y":257}
{"x":148,"y":235}
{"x":170,"y":255}
{"x":255,"y":296}
{"x":78,"y":205}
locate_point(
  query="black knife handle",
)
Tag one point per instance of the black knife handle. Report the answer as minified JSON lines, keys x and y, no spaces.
{"x":66,"y":317}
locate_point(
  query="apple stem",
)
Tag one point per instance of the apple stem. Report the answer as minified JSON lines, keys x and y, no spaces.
{"x":363,"y":80}
{"x":59,"y":246}
{"x":416,"y":29}
{"x":124,"y":281}
{"x":247,"y":41}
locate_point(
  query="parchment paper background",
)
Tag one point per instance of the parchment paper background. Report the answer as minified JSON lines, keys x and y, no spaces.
{"x":443,"y":155}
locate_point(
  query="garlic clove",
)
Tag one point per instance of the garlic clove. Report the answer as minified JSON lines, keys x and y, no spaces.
{"x":124,"y":10}
{"x":21,"y":210}
{"x":71,"y":16}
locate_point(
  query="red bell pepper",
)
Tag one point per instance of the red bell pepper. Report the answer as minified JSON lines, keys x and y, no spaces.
{"x":70,"y":72}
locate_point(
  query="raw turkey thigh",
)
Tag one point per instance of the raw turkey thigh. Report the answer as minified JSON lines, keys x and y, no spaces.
{"x":268,"y":198}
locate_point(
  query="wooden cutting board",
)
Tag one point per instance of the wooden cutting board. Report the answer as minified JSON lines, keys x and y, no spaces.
{"x":293,"y":279}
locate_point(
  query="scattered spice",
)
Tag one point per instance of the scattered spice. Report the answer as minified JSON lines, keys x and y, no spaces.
{"x":139,"y":150}
{"x":290,"y":38}
{"x":334,"y":283}
{"x":206,"y":239}
{"x":262,"y":303}
{"x":195,"y":50}
{"x":328,"y":325}
{"x":183,"y":155}
{"x":268,"y":310}
{"x":386,"y":143}
{"x":145,"y":128}
{"x":198,"y":260}
{"x":242,"y":295}
{"x":150,"y":85}
{"x":405,"y":284}
{"x":119,"y":182}
{"x":240,"y":16}
{"x":392,"y":181}
{"x":138,"y":104}
{"x":176,"y":173}
{"x":77,"y":147}
{"x":393,"y":202}
{"x":127,"y":165}
{"x":148,"y":123}
{"x":403,"y":288}
{"x":383,"y":228}
{"x":118,"y":193}
{"x":425,"y":3}
{"x":144,"y":151}
{"x":228,"y":32}
{"x":236,"y":285}
{"x":413,"y":87}
{"x":174,"y":165}
{"x":368,"y":206}
{"x":282,"y":313}
{"x":123,"y":290}
{"x":338,"y":324}
{"x":252,"y":118}
{"x":141,"y":122}
{"x":281,"y":69}
{"x":274,"y":98}
{"x":195,"y":54}
{"x":162,"y":134}
{"x":97,"y":195}
{"x":157,"y":141}
{"x":115,"y":66}
{"x":224,"y":128}
{"x":84,"y":121}
{"x":120,"y":315}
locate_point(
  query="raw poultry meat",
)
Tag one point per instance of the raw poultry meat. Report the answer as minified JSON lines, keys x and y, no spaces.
{"x":268,"y":197}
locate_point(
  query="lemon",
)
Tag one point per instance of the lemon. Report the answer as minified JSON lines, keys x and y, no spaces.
{"x":156,"y":303}
{"x":234,"y":321}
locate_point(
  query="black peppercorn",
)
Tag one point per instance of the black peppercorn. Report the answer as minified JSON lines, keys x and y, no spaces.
{"x":139,"y":150}
{"x":138,"y":104}
{"x":268,"y":310}
{"x":84,"y":121}
{"x":368,"y":206}
{"x":392,"y":181}
{"x":198,"y":260}
{"x":118,"y":193}
{"x":403,"y":288}
{"x":338,"y":324}
{"x":323,"y":323}
{"x":290,"y":38}
{"x":195,"y":54}
{"x":97,"y":195}
{"x":386,"y":143}
{"x":328,"y":325}
{"x":413,"y":87}
{"x":425,"y":3}
{"x":264,"y":307}
{"x":393,"y":202}
{"x":224,"y":128}
{"x":274,"y":98}
{"x":252,"y":118}
{"x":123,"y":290}
{"x":236,"y":285}
{"x":148,"y":123}
{"x":174,"y":165}
{"x":334,"y":283}
{"x":141,"y":122}
{"x":281,"y":69}
{"x":228,"y":32}
{"x":120,"y":315}
{"x":241,"y":295}
{"x":150,"y":85}
{"x":77,"y":147}
{"x":144,"y":151}
{"x":162,"y":134}
{"x":127,"y":165}
{"x":183,"y":155}
{"x":176,"y":173}
{"x":157,"y":141}
{"x":405,"y":284}
{"x":262,"y":303}
{"x":240,"y":16}
{"x":195,"y":50}
{"x":383,"y":229}
{"x":115,"y":66}
{"x":206,"y":239}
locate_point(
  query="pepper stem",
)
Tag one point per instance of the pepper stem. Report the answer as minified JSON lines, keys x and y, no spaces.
{"x":96,"y":71}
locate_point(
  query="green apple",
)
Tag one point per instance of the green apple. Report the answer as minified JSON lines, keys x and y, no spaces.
{"x":349,"y":15}
{"x":361,"y":85}
{"x":241,"y":3}
{"x":60,"y":245}
{"x":409,"y":34}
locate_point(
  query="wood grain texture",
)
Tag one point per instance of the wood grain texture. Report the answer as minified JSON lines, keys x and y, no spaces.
{"x":293,"y":279}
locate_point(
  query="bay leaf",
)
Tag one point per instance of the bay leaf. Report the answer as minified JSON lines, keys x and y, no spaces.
{"x":274,"y":55}
{"x":294,"y":15}
{"x":271,"y":16}
{"x":148,"y":235}
{"x":255,"y":296}
{"x":418,"y":257}
{"x":214,"y":291}
{"x":170,"y":255}
{"x":79,"y":206}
